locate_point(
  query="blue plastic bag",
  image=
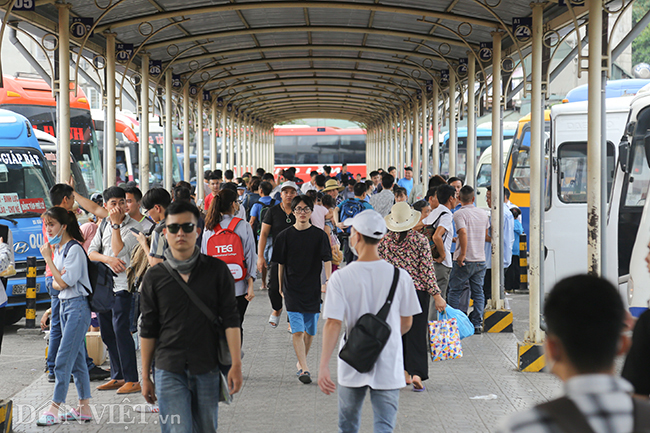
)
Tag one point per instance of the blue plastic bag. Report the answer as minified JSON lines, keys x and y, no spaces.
{"x":465,"y":326}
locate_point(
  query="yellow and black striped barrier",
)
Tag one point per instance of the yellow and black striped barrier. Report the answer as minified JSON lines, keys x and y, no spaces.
{"x":6,"y":410}
{"x":496,"y":321}
{"x":523,"y":262}
{"x":30,"y":301}
{"x":530,"y":357}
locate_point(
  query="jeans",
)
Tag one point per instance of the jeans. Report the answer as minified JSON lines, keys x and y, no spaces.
{"x":55,"y":329}
{"x":71,"y":356}
{"x":474,"y":272}
{"x":384,"y":407}
{"x":188,"y":403}
{"x":442,"y":277}
{"x":115,"y":328}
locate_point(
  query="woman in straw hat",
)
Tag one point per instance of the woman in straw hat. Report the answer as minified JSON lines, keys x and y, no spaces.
{"x":407,"y":249}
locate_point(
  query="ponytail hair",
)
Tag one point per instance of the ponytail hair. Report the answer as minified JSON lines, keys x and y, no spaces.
{"x":66,"y":218}
{"x":221,"y":204}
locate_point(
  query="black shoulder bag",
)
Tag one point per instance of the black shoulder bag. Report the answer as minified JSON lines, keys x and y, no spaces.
{"x":367,"y":338}
{"x":223,"y":354}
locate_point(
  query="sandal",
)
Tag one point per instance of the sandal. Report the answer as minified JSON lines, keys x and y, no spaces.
{"x":305,"y":377}
{"x":47,"y":419}
{"x":74,"y":415}
{"x":274,"y":321}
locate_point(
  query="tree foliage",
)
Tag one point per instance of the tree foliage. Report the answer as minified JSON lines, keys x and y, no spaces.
{"x":641,"y":45}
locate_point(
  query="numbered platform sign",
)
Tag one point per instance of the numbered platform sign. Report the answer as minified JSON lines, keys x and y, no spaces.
{"x":194,"y":90}
{"x":24,"y":5}
{"x":462,"y":65}
{"x":444,"y":77}
{"x":522,"y":28}
{"x":176,"y":81}
{"x":485,"y":51}
{"x":123,"y":52}
{"x":206,"y":95}
{"x":155,"y":67}
{"x":81,"y":26}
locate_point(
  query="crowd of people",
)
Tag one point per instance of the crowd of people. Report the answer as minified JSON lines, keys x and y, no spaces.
{"x":330,"y":245}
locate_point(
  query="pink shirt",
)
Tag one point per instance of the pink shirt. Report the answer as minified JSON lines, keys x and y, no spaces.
{"x":475,"y":221}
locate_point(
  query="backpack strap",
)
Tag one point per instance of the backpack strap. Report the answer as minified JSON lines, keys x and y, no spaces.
{"x":67,"y":247}
{"x":233,"y":224}
{"x":566,"y":415}
{"x":641,"y":415}
{"x":383,"y":313}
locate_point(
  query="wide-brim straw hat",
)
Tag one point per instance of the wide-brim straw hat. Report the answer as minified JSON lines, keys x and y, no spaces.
{"x":402,"y":218}
{"x":332,"y":184}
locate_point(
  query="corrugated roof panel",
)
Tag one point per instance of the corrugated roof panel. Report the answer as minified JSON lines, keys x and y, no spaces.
{"x":337,"y":38}
{"x":333,"y":17}
{"x":274,"y":17}
{"x":274,"y":39}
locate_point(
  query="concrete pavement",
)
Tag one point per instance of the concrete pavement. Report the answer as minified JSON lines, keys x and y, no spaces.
{"x":273,"y":400}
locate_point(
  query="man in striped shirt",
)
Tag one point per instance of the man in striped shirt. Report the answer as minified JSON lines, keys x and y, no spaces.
{"x":584,"y":317}
{"x":472,"y":226}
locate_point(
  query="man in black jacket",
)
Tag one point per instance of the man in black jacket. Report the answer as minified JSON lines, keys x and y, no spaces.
{"x":184,"y":339}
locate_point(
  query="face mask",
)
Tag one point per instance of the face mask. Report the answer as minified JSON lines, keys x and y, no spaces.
{"x":354,"y":250}
{"x":56,"y":239}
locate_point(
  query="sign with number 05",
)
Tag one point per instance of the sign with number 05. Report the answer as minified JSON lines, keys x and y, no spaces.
{"x":24,"y":5}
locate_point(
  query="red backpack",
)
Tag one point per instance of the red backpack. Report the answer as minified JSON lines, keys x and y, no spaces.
{"x":226,"y":245}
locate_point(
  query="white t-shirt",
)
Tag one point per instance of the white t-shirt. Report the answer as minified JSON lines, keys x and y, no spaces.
{"x":360,"y":288}
{"x":446,"y":221}
{"x":318,"y":216}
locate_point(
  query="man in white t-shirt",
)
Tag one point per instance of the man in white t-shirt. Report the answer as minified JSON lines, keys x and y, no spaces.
{"x":359,"y":288}
{"x":442,"y":218}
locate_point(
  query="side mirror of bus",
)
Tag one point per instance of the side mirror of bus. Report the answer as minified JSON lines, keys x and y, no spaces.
{"x":646,"y":145}
{"x":630,"y":127}
{"x":624,"y":154}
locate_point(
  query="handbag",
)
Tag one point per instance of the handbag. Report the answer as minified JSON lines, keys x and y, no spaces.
{"x":444,"y":340}
{"x":367,"y":338}
{"x":223,"y":353}
{"x":465,"y":326}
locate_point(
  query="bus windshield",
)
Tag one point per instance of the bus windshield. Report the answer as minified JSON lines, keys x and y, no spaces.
{"x":83,"y":142}
{"x":23,"y":179}
{"x":320,"y":149}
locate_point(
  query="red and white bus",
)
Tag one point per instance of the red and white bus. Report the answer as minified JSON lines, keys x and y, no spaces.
{"x":308,"y":148}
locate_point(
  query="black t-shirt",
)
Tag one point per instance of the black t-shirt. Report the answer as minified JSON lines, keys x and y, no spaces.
{"x":302,"y":253}
{"x":277,"y":219}
{"x":636,"y":369}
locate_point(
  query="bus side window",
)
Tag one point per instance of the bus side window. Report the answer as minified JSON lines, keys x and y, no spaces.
{"x":637,"y":187}
{"x":572,"y":171}
{"x":520,"y":174}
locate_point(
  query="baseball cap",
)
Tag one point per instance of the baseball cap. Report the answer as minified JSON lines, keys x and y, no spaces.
{"x":369,"y":223}
{"x":289,"y":184}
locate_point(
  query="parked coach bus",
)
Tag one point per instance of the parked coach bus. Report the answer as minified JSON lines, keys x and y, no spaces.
{"x":308,"y":148}
{"x":33,"y":99}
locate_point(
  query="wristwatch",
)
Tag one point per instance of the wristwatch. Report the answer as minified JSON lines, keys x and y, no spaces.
{"x":115,"y":226}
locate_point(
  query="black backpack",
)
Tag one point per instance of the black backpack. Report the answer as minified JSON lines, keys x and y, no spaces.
{"x":265,"y":207}
{"x":366,"y":339}
{"x":100,"y":294}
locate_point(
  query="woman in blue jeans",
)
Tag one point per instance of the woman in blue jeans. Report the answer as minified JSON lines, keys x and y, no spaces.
{"x":70,"y":277}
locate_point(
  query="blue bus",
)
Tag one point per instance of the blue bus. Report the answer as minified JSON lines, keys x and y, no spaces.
{"x":25,"y":182}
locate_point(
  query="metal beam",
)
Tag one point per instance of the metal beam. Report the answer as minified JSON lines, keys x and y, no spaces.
{"x":638,"y":28}
{"x":202,"y":10}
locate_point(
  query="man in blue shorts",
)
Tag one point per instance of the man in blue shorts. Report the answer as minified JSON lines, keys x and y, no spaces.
{"x":300,"y":251}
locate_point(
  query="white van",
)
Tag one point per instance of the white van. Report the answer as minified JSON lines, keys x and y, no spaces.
{"x":565,"y":216}
{"x":484,"y":172}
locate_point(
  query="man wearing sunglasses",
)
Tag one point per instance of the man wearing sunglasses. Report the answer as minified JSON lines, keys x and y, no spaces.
{"x":112,"y":245}
{"x":186,"y":351}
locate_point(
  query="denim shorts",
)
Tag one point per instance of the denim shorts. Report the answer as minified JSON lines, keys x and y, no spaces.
{"x":303,"y":322}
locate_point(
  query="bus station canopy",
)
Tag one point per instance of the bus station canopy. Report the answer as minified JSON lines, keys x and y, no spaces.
{"x":279,"y":60}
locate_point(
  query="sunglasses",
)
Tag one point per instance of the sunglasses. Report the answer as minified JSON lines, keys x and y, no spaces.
{"x":174,"y":228}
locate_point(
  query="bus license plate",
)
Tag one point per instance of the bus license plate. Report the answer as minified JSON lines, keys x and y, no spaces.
{"x":21,"y":289}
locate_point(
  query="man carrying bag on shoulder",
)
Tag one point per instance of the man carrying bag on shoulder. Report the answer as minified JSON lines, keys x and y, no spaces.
{"x":188,"y":284}
{"x":363,"y":287}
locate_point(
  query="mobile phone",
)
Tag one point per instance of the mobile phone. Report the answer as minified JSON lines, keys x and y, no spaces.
{"x":134,"y":230}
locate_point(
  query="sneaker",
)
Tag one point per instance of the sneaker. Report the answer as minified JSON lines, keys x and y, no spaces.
{"x":146,"y":408}
{"x":97,"y":373}
{"x":50,"y":377}
{"x":477,"y":331}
